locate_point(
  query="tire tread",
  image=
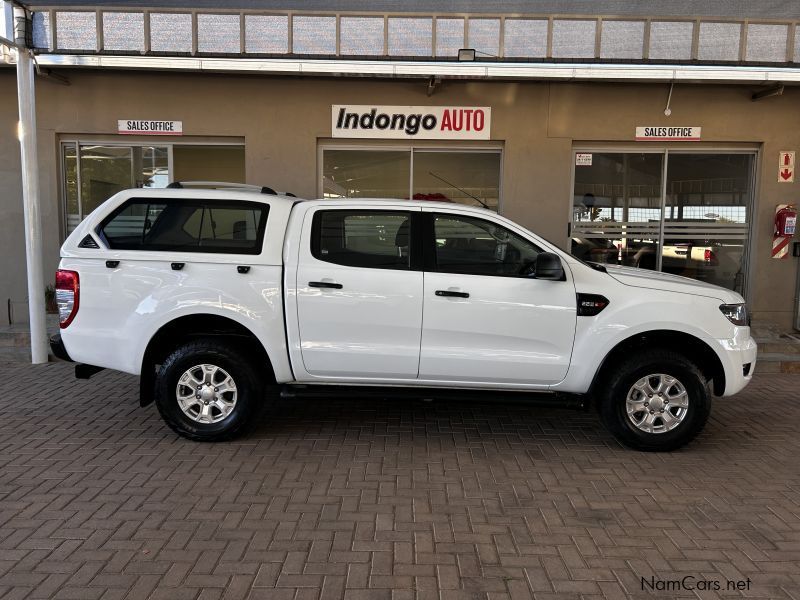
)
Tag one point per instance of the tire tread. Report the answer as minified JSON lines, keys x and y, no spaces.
{"x":613,"y":384}
{"x":227,"y":352}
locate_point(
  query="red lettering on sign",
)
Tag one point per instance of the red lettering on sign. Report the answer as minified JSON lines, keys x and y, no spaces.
{"x":467,"y":117}
{"x":478,"y":125}
{"x":458,"y":120}
{"x":447,"y":125}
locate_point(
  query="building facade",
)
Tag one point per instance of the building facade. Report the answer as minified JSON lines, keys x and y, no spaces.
{"x":641,"y":137}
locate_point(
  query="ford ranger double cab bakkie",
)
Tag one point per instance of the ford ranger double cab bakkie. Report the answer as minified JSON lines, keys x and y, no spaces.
{"x":221,"y":298}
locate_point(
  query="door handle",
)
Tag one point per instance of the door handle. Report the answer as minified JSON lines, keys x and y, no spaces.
{"x":243,"y":269}
{"x":176,"y":266}
{"x":112,"y":264}
{"x":325,"y":284}
{"x":451,"y":294}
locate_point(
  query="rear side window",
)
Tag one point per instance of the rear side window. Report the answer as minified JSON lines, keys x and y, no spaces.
{"x":374,"y":239}
{"x":217,"y":226}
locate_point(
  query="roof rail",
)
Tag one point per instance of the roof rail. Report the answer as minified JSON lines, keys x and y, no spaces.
{"x":223,"y":185}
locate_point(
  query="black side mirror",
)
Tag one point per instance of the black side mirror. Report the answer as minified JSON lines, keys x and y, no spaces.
{"x":548,"y":266}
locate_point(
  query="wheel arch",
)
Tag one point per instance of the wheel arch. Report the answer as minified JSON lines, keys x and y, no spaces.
{"x":694,"y":348}
{"x":194,"y":326}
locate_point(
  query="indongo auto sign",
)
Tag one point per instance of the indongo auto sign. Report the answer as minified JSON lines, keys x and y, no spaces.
{"x":411,"y":122}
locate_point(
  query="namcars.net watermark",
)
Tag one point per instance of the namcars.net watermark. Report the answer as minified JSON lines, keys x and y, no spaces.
{"x":690,"y":583}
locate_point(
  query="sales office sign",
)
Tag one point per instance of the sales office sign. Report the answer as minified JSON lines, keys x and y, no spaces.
{"x":411,"y":122}
{"x":668,"y":134}
{"x":148,"y":127}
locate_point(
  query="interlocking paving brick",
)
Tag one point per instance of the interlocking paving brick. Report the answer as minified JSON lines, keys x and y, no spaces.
{"x":404,"y":500}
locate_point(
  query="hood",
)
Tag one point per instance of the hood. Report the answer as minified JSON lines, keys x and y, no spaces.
{"x":654,"y":280}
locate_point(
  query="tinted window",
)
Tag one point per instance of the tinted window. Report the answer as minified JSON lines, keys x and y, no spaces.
{"x":477,"y":247}
{"x":187,"y":226}
{"x":370,"y":238}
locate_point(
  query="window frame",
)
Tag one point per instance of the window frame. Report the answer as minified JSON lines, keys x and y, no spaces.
{"x":429,"y":247}
{"x":413,"y":148}
{"x":415,"y":237}
{"x":258,"y":244}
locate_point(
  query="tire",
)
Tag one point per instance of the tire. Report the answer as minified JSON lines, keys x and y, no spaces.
{"x":647,"y":428}
{"x":206,"y":415}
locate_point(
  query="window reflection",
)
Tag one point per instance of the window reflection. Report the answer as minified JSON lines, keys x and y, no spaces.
{"x":617,"y":216}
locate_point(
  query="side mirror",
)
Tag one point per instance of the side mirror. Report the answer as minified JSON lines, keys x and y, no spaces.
{"x":548,"y":266}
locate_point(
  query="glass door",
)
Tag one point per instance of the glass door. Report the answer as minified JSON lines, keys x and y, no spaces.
{"x":706,"y":217}
{"x":616,"y":209}
{"x":681,"y":212}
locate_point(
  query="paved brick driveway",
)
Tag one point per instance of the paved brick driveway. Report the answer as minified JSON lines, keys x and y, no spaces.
{"x":363,"y":499}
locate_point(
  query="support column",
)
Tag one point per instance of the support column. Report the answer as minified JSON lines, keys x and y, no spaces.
{"x":32,"y":205}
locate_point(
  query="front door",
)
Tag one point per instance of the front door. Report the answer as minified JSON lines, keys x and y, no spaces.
{"x":485,"y":321}
{"x":359,"y":295}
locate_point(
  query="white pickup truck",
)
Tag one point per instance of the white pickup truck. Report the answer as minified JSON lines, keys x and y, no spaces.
{"x":219,"y":298}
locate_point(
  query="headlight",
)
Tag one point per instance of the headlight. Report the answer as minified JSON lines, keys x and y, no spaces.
{"x":736,"y":314}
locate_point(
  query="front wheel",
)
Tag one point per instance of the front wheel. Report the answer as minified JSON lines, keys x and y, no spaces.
{"x":208,"y":391}
{"x":654,"y":401}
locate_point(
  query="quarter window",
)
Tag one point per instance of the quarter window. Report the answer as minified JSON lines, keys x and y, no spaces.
{"x":477,"y":247}
{"x":187,"y":226}
{"x":369,"y":238}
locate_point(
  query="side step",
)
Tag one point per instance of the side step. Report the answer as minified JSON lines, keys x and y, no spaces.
{"x":545,"y":399}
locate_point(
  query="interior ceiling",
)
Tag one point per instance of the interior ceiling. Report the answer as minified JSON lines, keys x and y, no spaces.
{"x":739,"y":9}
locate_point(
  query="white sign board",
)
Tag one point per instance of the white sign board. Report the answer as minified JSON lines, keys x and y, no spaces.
{"x":583,"y":159}
{"x":668,"y":134}
{"x":149,"y":127}
{"x":411,"y":122}
{"x":786,"y":166}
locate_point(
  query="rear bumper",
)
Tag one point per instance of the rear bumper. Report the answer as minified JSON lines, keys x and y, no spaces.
{"x":740,"y":363}
{"x":58,"y":349}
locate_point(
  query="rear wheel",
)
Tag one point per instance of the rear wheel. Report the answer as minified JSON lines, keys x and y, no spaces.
{"x":209,"y":391}
{"x":654,"y":401}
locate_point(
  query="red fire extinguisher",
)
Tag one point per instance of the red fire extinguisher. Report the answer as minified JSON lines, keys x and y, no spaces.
{"x":786,"y":221}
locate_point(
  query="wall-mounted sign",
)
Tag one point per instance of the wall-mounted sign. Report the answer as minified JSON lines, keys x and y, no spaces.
{"x":583,"y":159}
{"x":668,"y":134}
{"x":147,"y":127}
{"x":411,"y":122}
{"x":786,"y":166}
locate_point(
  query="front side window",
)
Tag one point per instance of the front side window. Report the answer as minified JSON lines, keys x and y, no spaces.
{"x":364,"y":238}
{"x":473,"y":246}
{"x":186,"y":226}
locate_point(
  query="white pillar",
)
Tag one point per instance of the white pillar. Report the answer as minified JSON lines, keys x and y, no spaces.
{"x":32,"y":206}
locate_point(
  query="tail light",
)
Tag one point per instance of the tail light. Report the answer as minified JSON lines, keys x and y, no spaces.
{"x":68,"y":295}
{"x":710,"y":257}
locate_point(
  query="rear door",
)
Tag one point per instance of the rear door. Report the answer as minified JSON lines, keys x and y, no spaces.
{"x":486,"y":321}
{"x":359,"y":293}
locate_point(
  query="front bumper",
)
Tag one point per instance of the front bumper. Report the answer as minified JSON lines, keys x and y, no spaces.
{"x":739,"y":362}
{"x":58,"y":349}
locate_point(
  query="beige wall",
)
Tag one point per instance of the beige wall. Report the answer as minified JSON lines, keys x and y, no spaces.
{"x":207,"y":163}
{"x":282,"y":120}
{"x":12,"y":242}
